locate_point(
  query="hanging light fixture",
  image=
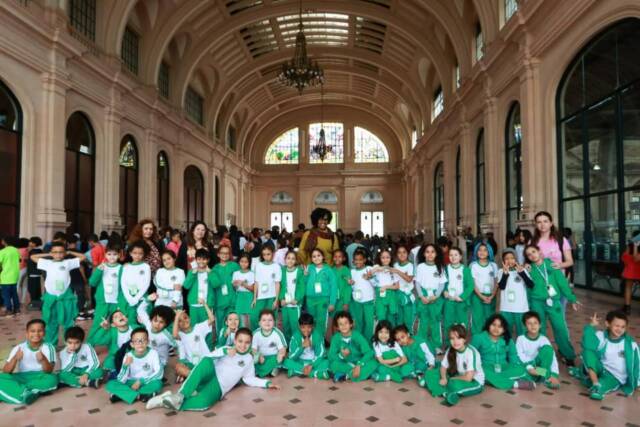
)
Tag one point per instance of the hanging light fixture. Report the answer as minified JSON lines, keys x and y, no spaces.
{"x":320,"y":149}
{"x":301,"y":72}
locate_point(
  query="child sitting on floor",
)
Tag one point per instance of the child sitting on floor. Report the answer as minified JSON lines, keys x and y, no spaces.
{"x":417,"y":351}
{"x":268,"y":345}
{"x":160,"y":339}
{"x":192,"y":344}
{"x":536,"y":353}
{"x":392,"y":363}
{"x":307,"y":355}
{"x":350,"y":355}
{"x":119,"y":331}
{"x":79,"y":364}
{"x":227,"y":334}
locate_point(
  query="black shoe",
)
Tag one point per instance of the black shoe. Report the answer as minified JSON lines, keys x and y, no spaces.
{"x":94,"y":383}
{"x":145,"y":397}
{"x":569,"y":362}
{"x":113,"y":399}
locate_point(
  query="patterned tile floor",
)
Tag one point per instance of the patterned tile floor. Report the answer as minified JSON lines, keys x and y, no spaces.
{"x":321,"y":403}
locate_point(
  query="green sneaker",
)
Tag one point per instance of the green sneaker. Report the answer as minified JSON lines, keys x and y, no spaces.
{"x":452,"y":398}
{"x":596,"y":392}
{"x":575,"y":372}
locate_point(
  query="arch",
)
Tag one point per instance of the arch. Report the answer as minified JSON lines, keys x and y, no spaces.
{"x":193,"y":195}
{"x":10,"y":160}
{"x":163,"y":177}
{"x":326,"y":198}
{"x":368,"y":148}
{"x":281,"y":198}
{"x":438,"y":200}
{"x":481,"y":197}
{"x":285,"y":149}
{"x":371,"y":198}
{"x":513,"y":164}
{"x":128,"y":159}
{"x":79,"y":194}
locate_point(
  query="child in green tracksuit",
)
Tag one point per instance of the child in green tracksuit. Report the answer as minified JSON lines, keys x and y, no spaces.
{"x":268,"y":275}
{"x":550,"y":285}
{"x":106,"y":279}
{"x":500,"y":362}
{"x":140,"y":377}
{"x":513,"y":281}
{"x":404,"y":270}
{"x":307,"y":354}
{"x":59,"y":308}
{"x":350,"y":355}
{"x":28,"y":371}
{"x":227,"y":334}
{"x":387,"y":286}
{"x":192,"y":341}
{"x":291,"y":294}
{"x":392,"y":363}
{"x":79,"y":364}
{"x":483,"y":300}
{"x":119,"y":332}
{"x":224,"y":291}
{"x":430,"y":284}
{"x":199,"y":283}
{"x":461,"y":371}
{"x":244,"y":281}
{"x":458,"y":291}
{"x":610,"y":358}
{"x":343,"y":276}
{"x":536,"y":353}
{"x":268,"y":345}
{"x":321,"y":290}
{"x":417,"y":351}
{"x":362,"y":305}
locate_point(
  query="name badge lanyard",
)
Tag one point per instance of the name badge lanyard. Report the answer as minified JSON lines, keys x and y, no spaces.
{"x":545,"y":275}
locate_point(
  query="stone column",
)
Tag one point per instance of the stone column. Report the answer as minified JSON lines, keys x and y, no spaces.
{"x":494,"y":169}
{"x":467,"y":181}
{"x":108,"y":207}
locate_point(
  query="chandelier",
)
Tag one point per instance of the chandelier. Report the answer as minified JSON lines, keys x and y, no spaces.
{"x":301,"y":72}
{"x":321,"y":149}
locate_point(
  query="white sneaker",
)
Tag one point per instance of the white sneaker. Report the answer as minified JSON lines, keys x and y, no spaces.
{"x":173,"y":401}
{"x":156,"y":401}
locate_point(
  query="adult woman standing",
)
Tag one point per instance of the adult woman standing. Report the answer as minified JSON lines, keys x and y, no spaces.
{"x":320,"y":237}
{"x":146,"y":230}
{"x":551,"y":242}
{"x":197,"y":238}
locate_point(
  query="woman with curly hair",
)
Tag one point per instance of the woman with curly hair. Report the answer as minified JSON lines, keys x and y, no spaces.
{"x":319,"y":237}
{"x":147,"y":231}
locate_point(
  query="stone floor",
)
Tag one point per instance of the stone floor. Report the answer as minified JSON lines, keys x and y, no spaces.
{"x":303,"y":402}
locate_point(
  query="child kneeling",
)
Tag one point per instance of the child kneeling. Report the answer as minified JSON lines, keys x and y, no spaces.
{"x":79,"y":364}
{"x":307,"y":353}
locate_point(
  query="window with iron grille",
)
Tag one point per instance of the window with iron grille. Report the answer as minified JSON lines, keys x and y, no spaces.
{"x":438,"y":102}
{"x":163,"y":80}
{"x":82,"y":17}
{"x":129,"y":51}
{"x":193,"y":105}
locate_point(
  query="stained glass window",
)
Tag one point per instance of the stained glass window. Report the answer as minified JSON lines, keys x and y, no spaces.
{"x":369,"y":148}
{"x":284,"y":150}
{"x":128,"y":155}
{"x":334,"y":135}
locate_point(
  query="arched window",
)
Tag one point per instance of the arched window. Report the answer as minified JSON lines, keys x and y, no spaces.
{"x":513,"y":166}
{"x":481,"y":198}
{"x":193,"y":195}
{"x":163,"y":189}
{"x":334,"y":136}
{"x":285,"y":149}
{"x":369,"y":148}
{"x":372,"y":198}
{"x":79,"y":174}
{"x":281,"y":198}
{"x":10,"y":153}
{"x":458,"y":187}
{"x":598,"y":111}
{"x":438,"y":200}
{"x":128,"y":182}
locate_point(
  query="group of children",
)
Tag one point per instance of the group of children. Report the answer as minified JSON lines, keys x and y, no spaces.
{"x":366,"y":313}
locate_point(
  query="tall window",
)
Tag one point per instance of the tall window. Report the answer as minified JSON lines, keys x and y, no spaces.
{"x":414,"y":137}
{"x":193,"y":195}
{"x":284,"y":220}
{"x":479,"y":43}
{"x":163,"y":189}
{"x":456,"y":75}
{"x":129,"y":52}
{"x":231,"y":138}
{"x":438,"y":200}
{"x":285,"y":149}
{"x":79,"y":175}
{"x":163,"y":80}
{"x":10,"y":154}
{"x":513,"y":166}
{"x":194,"y":105}
{"x":128,"y":182}
{"x":372,"y":223}
{"x":458,"y":187}
{"x":82,"y":17}
{"x":598,"y":110}
{"x":334,"y":135}
{"x":481,"y":198}
{"x":510,"y":8}
{"x":438,"y":103}
{"x":369,"y":148}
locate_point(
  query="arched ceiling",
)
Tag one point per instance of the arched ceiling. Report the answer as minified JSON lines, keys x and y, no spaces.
{"x":383,"y":55}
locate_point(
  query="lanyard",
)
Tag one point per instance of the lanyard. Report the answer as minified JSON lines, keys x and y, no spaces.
{"x":544,"y":275}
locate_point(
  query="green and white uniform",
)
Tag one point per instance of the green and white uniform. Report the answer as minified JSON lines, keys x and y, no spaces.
{"x":199,"y":285}
{"x":500,"y":362}
{"x":429,"y":283}
{"x":343,"y":275}
{"x":244,"y":297}
{"x":192,"y":345}
{"x":459,"y":284}
{"x":75,"y":364}
{"x":386,"y":372}
{"x":225,"y":339}
{"x":59,"y":305}
{"x":386,"y":300}
{"x":362,"y":305}
{"x":28,"y":380}
{"x":134,"y":283}
{"x":165,"y":279}
{"x":106,"y":280}
{"x":513,"y":299}
{"x":291,"y":288}
{"x":225,"y":293}
{"x":300,"y":356}
{"x":467,"y":360}
{"x":538,"y":354}
{"x":406,"y":298}
{"x":161,"y":341}
{"x":117,"y":339}
{"x":145,"y":368}
{"x":419,"y":355}
{"x":268,"y":276}
{"x":267,"y":346}
{"x":360,"y":354}
{"x":484,"y":280}
{"x":321,"y":291}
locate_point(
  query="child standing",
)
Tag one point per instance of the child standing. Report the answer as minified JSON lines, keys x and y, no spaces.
{"x":192,"y":341}
{"x":631,"y":272}
{"x":386,"y":286}
{"x":417,"y":351}
{"x":430,"y":283}
{"x":225,"y":293}
{"x":227,"y":334}
{"x":268,"y":345}
{"x":483,"y":300}
{"x":392,"y":363}
{"x":79,"y":364}
{"x":169,"y":280}
{"x":536,"y":353}
{"x":321,"y":290}
{"x":59,"y":308}
{"x":9,"y":275}
{"x":135,"y":279}
{"x":106,"y":279}
{"x":610,"y":357}
{"x":198,"y":283}
{"x":28,"y":371}
{"x":461,"y":371}
{"x":291,"y":294}
{"x":458,"y":291}
{"x":244,"y":282}
{"x":513,"y":281}
{"x":140,"y":377}
{"x":307,"y":356}
{"x":404,"y":270}
{"x":363,"y":294}
{"x":350,"y":355}
{"x":268,"y":277}
{"x":343,"y":275}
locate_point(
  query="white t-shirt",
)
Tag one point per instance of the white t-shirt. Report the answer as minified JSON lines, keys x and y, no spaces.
{"x":135,"y":282}
{"x":248,"y":277}
{"x":231,"y":369}
{"x":428,"y":281}
{"x":161,"y":341}
{"x":85,"y":357}
{"x":413,"y":255}
{"x":384,"y":278}
{"x":513,"y":299}
{"x":362,"y":289}
{"x":528,"y":350}
{"x":123,"y":336}
{"x":408,"y":268}
{"x":266,"y":277}
{"x":165,"y":280}
{"x":468,"y":360}
{"x":455,"y":288}
{"x":381,"y":348}
{"x":110,"y":284}
{"x":613,"y":359}
{"x":290,"y":282}
{"x":146,"y":367}
{"x":58,"y":278}
{"x":29,"y":362}
{"x":268,"y":345}
{"x":484,"y":277}
{"x":192,"y":345}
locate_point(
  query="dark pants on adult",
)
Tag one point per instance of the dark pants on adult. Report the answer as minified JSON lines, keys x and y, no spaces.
{"x":10,"y":298}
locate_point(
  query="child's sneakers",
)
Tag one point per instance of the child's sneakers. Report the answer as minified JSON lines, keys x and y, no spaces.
{"x":525,"y":385}
{"x":173,"y":401}
{"x":338,"y":378}
{"x":596,"y":392}
{"x":144,"y":398}
{"x":452,"y":398}
{"x":575,"y":372}
{"x":275,"y":372}
{"x":94,"y":383}
{"x":421,"y":381}
{"x":113,"y":398}
{"x":156,"y":401}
